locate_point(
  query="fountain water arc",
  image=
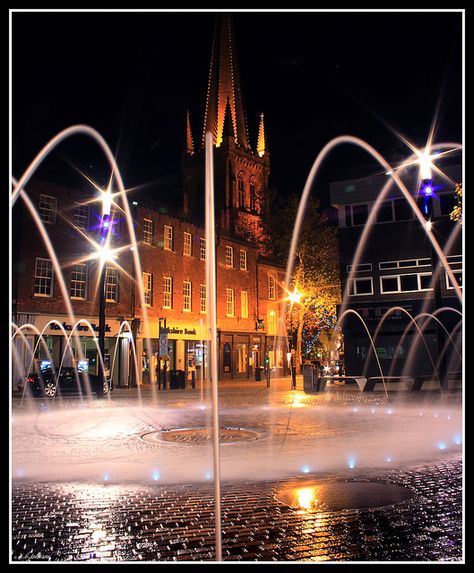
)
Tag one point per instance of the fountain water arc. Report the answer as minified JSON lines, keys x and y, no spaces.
{"x":411,"y":321}
{"x":95,"y":135}
{"x":352,"y":311}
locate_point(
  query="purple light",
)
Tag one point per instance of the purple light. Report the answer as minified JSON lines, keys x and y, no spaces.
{"x":428,"y":190}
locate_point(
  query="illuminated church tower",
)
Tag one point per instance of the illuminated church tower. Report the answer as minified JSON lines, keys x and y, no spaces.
{"x":240,"y":171}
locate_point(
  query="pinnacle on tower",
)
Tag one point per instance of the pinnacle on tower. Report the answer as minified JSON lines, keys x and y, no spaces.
{"x":228,"y":127}
{"x":189,"y":136}
{"x":223,"y":86}
{"x":261,"y":138}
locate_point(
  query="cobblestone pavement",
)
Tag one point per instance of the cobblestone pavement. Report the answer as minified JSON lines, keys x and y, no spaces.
{"x":134,"y":522}
{"x":85,"y":520}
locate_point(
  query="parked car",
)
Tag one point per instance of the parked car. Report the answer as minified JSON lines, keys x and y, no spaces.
{"x":45,"y":383}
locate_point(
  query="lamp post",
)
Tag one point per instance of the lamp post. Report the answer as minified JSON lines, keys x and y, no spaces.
{"x":293,"y":297}
{"x":426,"y":191}
{"x":104,"y":255}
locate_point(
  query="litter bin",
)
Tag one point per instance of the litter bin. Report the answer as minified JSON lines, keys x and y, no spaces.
{"x":258,"y":373}
{"x":309,"y":375}
{"x":180,"y":374}
{"x":173,"y":379}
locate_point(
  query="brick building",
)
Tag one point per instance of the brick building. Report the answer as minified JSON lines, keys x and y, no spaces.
{"x":172,"y":253}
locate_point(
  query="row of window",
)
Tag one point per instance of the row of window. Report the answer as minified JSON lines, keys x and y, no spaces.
{"x":44,"y":282}
{"x":394,"y":210}
{"x":453,"y":260}
{"x":390,"y":284}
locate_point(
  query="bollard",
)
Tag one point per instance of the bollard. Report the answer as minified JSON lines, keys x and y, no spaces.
{"x":267,"y":376}
{"x":193,"y":378}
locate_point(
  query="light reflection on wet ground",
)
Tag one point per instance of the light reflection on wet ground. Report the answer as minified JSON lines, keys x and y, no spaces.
{"x":88,"y":487}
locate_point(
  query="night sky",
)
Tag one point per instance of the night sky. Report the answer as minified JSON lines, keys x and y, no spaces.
{"x":315,"y":76}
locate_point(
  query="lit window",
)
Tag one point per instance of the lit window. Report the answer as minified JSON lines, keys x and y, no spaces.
{"x":47,"y":208}
{"x":187,"y":290}
{"x":167,"y":292}
{"x":81,"y":216}
{"x":271,"y":287}
{"x":111,"y":285}
{"x":148,"y":288}
{"x":78,"y":282}
{"x":148,"y":231}
{"x":243,"y":260}
{"x":168,"y":238}
{"x":230,"y":302}
{"x":272,"y":322}
{"x":244,"y":303}
{"x":229,"y":256}
{"x":203,"y":298}
{"x":43,"y":278}
{"x":202,"y":249}
{"x":187,"y":244}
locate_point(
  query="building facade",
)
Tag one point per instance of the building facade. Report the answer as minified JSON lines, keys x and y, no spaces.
{"x":167,"y":295}
{"x":397,"y":274}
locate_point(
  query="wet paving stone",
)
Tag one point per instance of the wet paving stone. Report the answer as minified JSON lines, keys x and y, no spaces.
{"x":133,"y":522}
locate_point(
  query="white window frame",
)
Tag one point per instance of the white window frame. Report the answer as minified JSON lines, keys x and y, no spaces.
{"x":187,"y":244}
{"x":244,"y":303}
{"x":111,"y":284}
{"x":423,"y":262}
{"x":147,"y":279}
{"x":203,"y":299}
{"x":81,"y":216}
{"x":351,"y":206}
{"x":229,"y":256}
{"x":243,"y":260}
{"x":168,"y":237}
{"x":167,"y":292}
{"x":187,"y":296}
{"x":44,"y":281}
{"x":271,"y":287}
{"x":202,"y":249}
{"x":359,"y":268}
{"x":148,"y":231}
{"x":398,"y":277}
{"x":449,"y":286}
{"x":230,"y":301}
{"x":354,"y":282}
{"x":78,"y":285}
{"x":47,"y":208}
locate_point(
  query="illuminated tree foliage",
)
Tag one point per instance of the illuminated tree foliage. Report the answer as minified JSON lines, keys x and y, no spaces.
{"x":315,"y":275}
{"x":456,"y":213}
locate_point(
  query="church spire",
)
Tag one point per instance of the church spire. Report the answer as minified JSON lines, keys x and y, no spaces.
{"x":189,"y":135}
{"x":261,"y":138}
{"x":223,"y":85}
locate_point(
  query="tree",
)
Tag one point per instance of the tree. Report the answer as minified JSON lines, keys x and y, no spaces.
{"x":456,"y":213}
{"x":316,"y":270}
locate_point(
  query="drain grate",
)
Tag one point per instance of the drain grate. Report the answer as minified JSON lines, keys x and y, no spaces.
{"x":202,"y":436}
{"x":339,"y":495}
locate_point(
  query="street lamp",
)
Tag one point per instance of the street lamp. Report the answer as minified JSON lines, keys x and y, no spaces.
{"x":104,"y":254}
{"x":426,"y":191}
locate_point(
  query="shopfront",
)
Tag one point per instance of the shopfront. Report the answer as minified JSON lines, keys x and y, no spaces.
{"x":59,"y":344}
{"x":276,"y":350}
{"x":239,"y":355}
{"x":183,"y":347}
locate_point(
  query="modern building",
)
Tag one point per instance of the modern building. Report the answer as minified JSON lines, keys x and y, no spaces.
{"x":396,"y":274}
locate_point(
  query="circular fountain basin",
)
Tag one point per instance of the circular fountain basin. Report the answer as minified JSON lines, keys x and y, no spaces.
{"x":340,"y":495}
{"x":202,"y":436}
